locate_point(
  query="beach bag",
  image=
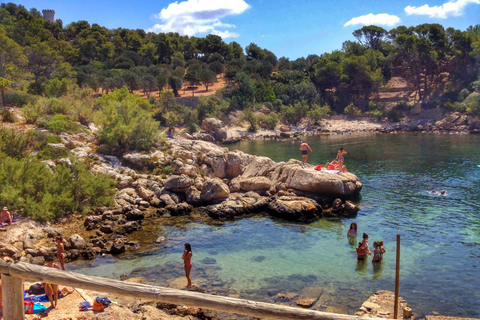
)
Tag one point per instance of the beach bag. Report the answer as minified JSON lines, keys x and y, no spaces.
{"x":39,"y":308}
{"x":36,"y":289}
{"x":319,"y":167}
{"x":28,"y":306}
{"x":97,"y":306}
{"x":105,"y":301}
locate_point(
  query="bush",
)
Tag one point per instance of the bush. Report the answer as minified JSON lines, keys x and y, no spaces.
{"x":472,"y":104}
{"x":249,"y":116}
{"x":7,"y":116}
{"x":352,"y":110}
{"x":127,"y":122}
{"x":317,"y":113}
{"x":268,"y":121}
{"x":394,"y":114}
{"x":47,"y":194}
{"x":59,"y":123}
{"x":31,"y":112}
{"x":377,"y":115}
{"x":56,"y":87}
{"x":19,"y":98}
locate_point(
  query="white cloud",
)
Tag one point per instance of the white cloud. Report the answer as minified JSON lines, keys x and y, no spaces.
{"x":193,"y":17}
{"x":453,"y":8}
{"x":382,"y":19}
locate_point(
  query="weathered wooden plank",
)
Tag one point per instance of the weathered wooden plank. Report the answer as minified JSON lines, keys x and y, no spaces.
{"x":12,"y":290}
{"x":168,"y":295}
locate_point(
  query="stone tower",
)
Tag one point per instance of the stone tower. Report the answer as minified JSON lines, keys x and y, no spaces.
{"x":49,"y":15}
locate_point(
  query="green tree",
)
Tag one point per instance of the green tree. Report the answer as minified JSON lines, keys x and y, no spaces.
{"x":207,"y":77}
{"x":370,"y":36}
{"x":4,"y":85}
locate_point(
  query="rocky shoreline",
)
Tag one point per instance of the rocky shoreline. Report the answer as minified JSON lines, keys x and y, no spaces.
{"x":193,"y":175}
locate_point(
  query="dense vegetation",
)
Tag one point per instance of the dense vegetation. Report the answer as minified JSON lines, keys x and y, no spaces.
{"x":42,"y":58}
{"x":47,"y":193}
{"x":55,"y":73}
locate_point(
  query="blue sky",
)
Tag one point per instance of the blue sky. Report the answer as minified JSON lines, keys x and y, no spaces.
{"x":288,"y":28}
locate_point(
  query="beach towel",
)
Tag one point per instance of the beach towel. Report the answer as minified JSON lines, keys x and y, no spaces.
{"x":85,"y":306}
{"x":42,"y":298}
{"x":39,"y":308}
{"x":2,"y":224}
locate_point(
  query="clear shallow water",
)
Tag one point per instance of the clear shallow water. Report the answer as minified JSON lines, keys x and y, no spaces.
{"x":259,"y":257}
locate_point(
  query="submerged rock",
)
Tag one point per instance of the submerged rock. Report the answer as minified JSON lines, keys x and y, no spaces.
{"x":309,"y":296}
{"x":294,"y":208}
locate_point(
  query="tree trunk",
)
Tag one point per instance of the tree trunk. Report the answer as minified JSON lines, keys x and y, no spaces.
{"x":4,"y":98}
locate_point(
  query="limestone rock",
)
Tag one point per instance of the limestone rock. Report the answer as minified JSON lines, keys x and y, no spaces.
{"x":255,"y":183}
{"x":178,"y":183}
{"x":92,"y":222}
{"x":134,"y":215}
{"x":309,"y":296}
{"x":193,"y":196}
{"x":294,"y":208}
{"x":77,"y":242}
{"x":214,"y":189}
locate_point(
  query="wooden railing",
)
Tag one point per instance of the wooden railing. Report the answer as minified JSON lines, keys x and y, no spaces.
{"x":13,"y":275}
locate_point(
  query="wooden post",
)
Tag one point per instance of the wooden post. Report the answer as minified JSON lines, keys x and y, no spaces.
{"x":12,"y":289}
{"x":397,"y":279}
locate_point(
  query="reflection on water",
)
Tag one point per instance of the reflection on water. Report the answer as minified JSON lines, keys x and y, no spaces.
{"x":259,"y":257}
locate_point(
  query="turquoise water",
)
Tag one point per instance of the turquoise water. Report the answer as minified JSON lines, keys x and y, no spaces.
{"x":258,"y":257}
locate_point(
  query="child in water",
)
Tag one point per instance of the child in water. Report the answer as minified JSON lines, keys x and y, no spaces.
{"x":378,"y":252}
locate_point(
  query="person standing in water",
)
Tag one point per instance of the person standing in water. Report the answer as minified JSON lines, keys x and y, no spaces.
{"x":378,"y":252}
{"x":187,"y":257}
{"x":303,"y":147}
{"x":340,"y":158}
{"x":352,"y":232}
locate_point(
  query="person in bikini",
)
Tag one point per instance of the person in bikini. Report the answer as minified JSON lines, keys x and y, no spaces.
{"x":378,"y":252}
{"x":51,"y":290}
{"x":187,"y":260}
{"x":303,"y":147}
{"x":363,"y":249}
{"x":60,"y":251}
{"x":340,"y":157}
{"x":352,"y":232}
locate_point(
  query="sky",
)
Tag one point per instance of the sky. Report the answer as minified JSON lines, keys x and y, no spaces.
{"x":288,"y":28}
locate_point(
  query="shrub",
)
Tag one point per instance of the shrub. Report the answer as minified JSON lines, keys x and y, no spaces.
{"x":47,"y":194}
{"x":31,"y":112}
{"x":56,"y":87}
{"x":19,"y":98}
{"x":377,"y":114}
{"x":352,"y":110}
{"x":472,"y":104}
{"x":317,"y":113}
{"x":127,"y":122}
{"x":394,"y":114}
{"x":7,"y":116}
{"x":59,"y":123}
{"x":249,"y":116}
{"x":268,"y":121}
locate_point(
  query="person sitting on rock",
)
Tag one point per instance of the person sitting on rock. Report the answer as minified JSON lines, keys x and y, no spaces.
{"x":5,"y":216}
